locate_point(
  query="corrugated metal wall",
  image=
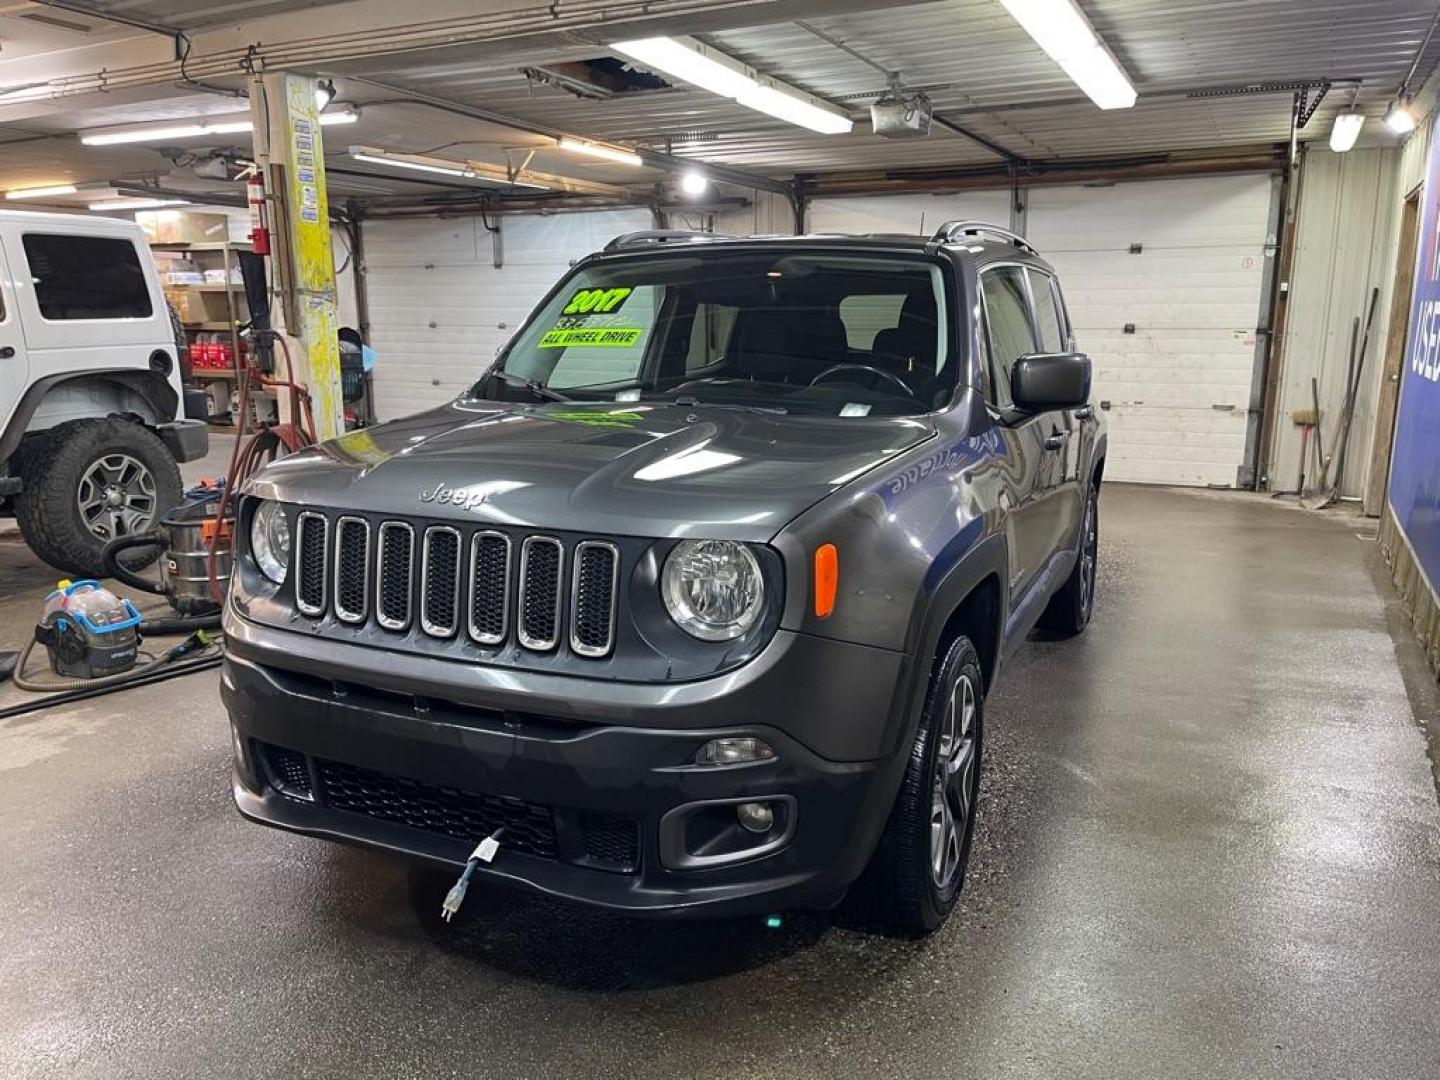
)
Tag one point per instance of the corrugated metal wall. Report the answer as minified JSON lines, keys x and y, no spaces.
{"x":1345,"y":246}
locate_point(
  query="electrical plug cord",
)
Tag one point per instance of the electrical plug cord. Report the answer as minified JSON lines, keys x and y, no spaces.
{"x":484,"y":852}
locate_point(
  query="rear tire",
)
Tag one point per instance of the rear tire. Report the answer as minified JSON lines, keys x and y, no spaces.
{"x":89,"y":481}
{"x":1069,"y":610}
{"x":918,"y":869}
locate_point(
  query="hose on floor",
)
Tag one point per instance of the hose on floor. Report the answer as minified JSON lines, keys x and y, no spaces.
{"x":64,"y":691}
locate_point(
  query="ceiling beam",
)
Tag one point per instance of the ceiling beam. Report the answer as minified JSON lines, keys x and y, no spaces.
{"x":655,"y":159}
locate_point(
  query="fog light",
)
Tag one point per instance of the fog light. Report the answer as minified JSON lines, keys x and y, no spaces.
{"x":757,"y":817}
{"x":734,"y":751}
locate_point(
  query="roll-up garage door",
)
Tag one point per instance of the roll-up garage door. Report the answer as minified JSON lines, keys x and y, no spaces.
{"x":439,"y":307}
{"x":1163,"y":280}
{"x":908,"y":214}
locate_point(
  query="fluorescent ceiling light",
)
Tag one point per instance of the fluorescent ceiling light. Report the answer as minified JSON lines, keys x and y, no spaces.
{"x":42,"y":192}
{"x":1400,"y":119}
{"x":382,"y":157}
{"x":600,"y":150}
{"x":693,"y":62}
{"x":137,"y":204}
{"x":1346,"y":130}
{"x":226,"y":124}
{"x":471,"y":170}
{"x":689,"y":60}
{"x":1062,"y":30}
{"x":806,"y":112}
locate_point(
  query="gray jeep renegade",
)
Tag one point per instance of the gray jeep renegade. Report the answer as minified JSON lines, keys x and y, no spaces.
{"x":692,"y":602}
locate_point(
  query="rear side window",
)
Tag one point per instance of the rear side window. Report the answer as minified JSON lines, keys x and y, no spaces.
{"x":86,"y":277}
{"x":1048,"y":320}
{"x":1008,"y":324}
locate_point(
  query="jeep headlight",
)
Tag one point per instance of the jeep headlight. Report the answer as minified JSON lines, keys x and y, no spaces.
{"x":270,"y":540}
{"x":712,"y":588}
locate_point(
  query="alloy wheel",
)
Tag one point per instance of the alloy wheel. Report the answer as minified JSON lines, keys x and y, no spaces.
{"x":953,"y":795}
{"x":116,"y":497}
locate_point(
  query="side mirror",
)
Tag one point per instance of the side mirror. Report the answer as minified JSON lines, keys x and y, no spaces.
{"x":1043,"y":381}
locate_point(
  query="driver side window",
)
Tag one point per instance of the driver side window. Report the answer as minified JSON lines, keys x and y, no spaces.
{"x":1007,"y":321}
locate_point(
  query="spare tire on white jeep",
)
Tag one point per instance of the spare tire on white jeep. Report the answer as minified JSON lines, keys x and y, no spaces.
{"x":88,"y":481}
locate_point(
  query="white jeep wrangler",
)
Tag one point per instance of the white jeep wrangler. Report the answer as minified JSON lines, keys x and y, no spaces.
{"x":92,"y":419}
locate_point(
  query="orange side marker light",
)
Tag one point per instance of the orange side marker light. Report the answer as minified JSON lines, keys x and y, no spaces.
{"x":827,"y":579}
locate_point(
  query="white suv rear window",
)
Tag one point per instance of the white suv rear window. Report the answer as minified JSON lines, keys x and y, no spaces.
{"x":87,"y":277}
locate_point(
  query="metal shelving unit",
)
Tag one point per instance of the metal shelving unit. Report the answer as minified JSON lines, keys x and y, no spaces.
{"x":235,"y":310}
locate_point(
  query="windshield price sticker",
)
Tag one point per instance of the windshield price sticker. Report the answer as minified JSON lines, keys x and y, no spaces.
{"x":611,"y":336}
{"x":596,"y":301}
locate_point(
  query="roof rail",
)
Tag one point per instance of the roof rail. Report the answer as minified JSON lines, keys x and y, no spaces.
{"x":660,"y":236}
{"x":952,"y":229}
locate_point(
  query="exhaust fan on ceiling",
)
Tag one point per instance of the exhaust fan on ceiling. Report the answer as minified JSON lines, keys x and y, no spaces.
{"x":894,"y":116}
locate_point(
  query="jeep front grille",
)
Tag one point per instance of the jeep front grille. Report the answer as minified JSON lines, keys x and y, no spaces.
{"x":489,"y":610}
{"x":592,"y":623}
{"x":541,"y":561}
{"x":448,"y":582}
{"x":440,"y":581}
{"x":312,"y":543}
{"x":352,"y":568}
{"x":397,"y":575}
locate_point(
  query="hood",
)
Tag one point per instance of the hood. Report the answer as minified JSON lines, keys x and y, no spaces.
{"x":641,"y":469}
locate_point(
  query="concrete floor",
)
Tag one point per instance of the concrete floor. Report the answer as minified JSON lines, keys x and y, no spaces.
{"x":1210,"y":848}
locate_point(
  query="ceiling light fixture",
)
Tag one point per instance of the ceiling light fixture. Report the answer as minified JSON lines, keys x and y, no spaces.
{"x":696,"y":63}
{"x":1346,"y":130}
{"x":226,"y":124}
{"x":324,"y":94}
{"x":42,"y":192}
{"x":690,"y":60}
{"x":137,"y":204}
{"x":405,"y":161}
{"x":467,"y":170}
{"x":694,"y":183}
{"x":1062,"y":30}
{"x":1399,"y":118}
{"x":600,"y":150}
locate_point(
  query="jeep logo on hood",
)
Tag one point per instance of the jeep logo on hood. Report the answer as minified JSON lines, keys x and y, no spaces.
{"x":442,"y":495}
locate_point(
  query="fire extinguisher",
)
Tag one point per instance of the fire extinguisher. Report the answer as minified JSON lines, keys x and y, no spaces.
{"x":259,"y":214}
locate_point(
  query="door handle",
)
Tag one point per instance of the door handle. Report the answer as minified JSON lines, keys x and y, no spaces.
{"x":1056,"y":441}
{"x":1085,"y":412}
{"x":6,"y":352}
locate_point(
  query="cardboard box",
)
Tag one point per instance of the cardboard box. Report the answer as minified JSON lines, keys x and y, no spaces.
{"x":182,"y":227}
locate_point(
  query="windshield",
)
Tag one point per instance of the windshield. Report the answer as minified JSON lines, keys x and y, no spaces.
{"x":826,"y":334}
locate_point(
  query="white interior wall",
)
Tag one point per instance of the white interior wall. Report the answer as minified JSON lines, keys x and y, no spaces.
{"x":439,"y":307}
{"x":1346,"y":216}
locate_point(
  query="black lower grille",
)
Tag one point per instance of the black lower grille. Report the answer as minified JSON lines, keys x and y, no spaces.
{"x":463,"y":815}
{"x":612,"y":840}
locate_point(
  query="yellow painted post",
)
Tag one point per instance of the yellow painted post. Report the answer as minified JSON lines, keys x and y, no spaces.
{"x":296,"y":143}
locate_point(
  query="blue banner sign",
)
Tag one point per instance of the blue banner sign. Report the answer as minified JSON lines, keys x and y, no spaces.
{"x":1415,"y":467}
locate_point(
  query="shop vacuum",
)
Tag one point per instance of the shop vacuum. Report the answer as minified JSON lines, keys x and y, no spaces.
{"x":93,"y":638}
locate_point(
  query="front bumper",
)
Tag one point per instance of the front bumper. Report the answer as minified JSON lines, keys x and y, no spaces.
{"x":187,"y":440}
{"x":419,"y":776}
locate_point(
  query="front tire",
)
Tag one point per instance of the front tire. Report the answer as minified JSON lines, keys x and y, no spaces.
{"x":918,"y":869}
{"x":90,"y":481}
